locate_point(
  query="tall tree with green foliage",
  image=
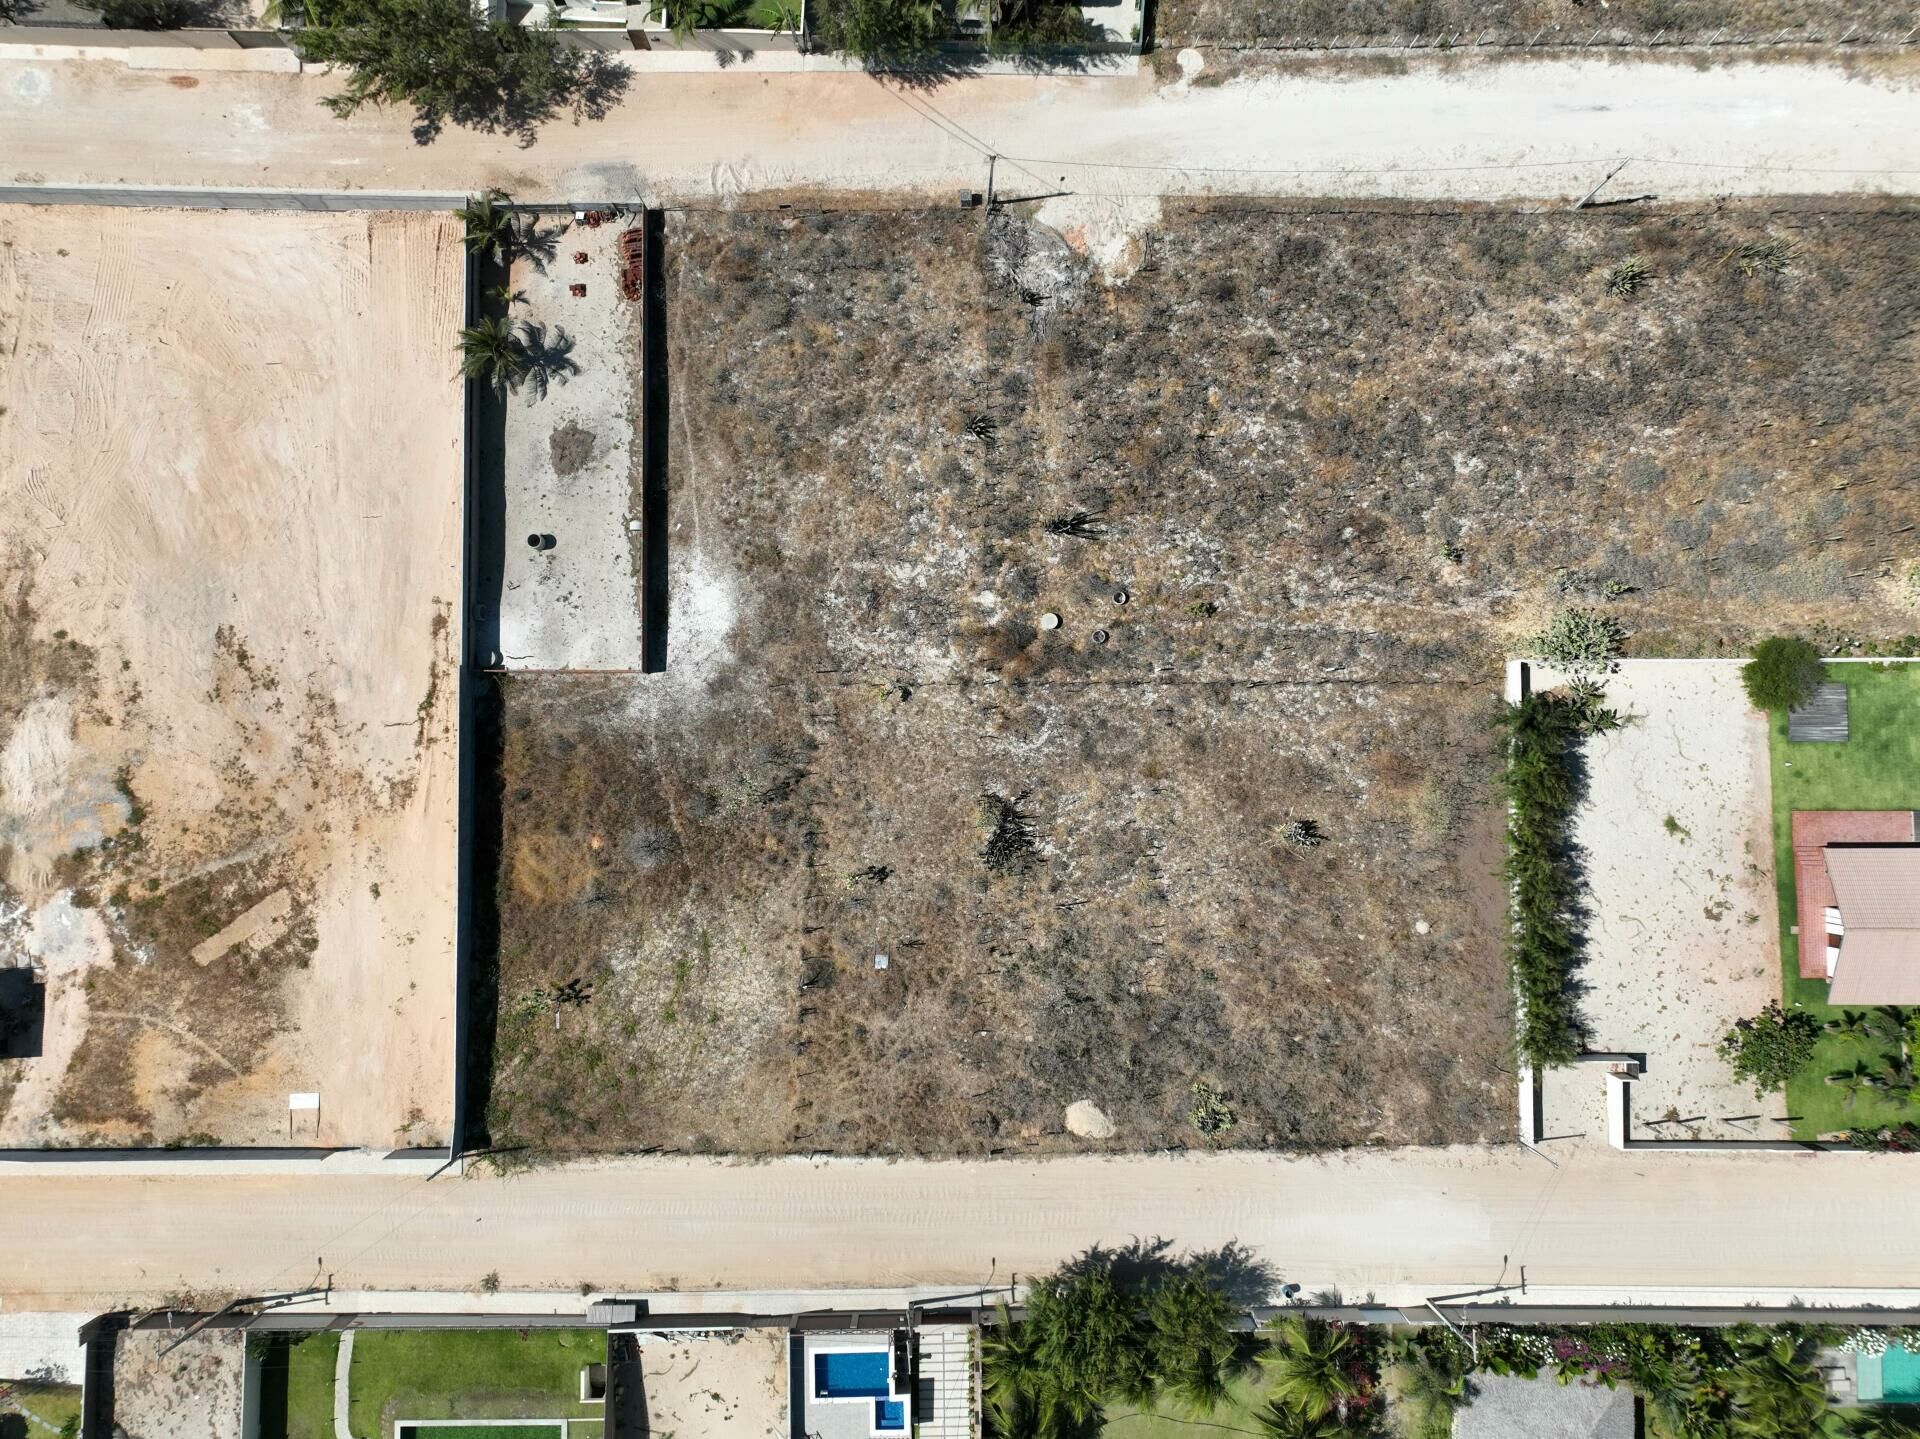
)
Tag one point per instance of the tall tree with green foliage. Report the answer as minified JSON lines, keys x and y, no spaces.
{"x":1190,"y":1324}
{"x":453,"y":66}
{"x":1782,"y":674}
{"x":1091,"y":1341}
{"x":881,"y":32}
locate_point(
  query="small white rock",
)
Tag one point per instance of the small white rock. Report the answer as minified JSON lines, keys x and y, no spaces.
{"x":1420,"y":926}
{"x":1049,"y":621}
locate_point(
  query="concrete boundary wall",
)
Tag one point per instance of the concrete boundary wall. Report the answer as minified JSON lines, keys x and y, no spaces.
{"x":192,"y":197}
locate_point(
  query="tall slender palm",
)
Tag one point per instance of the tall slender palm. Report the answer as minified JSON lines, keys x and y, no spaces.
{"x":1852,"y":1024}
{"x":1854,"y":1082}
{"x":1668,"y":1383}
{"x":1309,"y":1364}
{"x":1428,"y":1384}
{"x":1283,"y":1421}
{"x":492,"y":350}
{"x":1881,"y":1423}
{"x":489,"y":224}
{"x":1775,"y":1392}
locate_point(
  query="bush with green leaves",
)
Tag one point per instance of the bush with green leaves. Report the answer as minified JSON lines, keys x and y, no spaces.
{"x":1770,"y":1048}
{"x":1783,"y":673}
{"x":1580,"y":643}
{"x":1543,"y":732}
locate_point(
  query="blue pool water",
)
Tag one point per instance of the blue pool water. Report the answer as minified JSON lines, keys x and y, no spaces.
{"x":1899,"y":1376}
{"x":852,"y":1374}
{"x":889,"y":1414}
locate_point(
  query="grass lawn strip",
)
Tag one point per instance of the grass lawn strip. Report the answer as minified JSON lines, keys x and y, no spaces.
{"x":51,"y":1404}
{"x":484,"y":1431}
{"x":1878,"y":768}
{"x":1246,"y":1393}
{"x":296,"y":1385}
{"x":469,"y":1374}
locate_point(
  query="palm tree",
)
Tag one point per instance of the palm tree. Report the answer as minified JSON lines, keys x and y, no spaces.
{"x":1668,"y":1383}
{"x":786,"y":16}
{"x":1881,"y":1423}
{"x":1308,"y":1360}
{"x":1282,"y":1421}
{"x":492,"y":350}
{"x":1774,"y":1392}
{"x":489,"y":224}
{"x":1852,"y":1024}
{"x":1428,"y":1383}
{"x":1854,"y":1082}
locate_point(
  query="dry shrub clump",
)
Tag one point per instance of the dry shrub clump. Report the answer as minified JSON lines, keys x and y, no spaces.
{"x":1028,"y":624}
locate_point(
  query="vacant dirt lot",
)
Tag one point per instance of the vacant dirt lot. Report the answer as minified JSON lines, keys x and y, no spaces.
{"x":230,"y":503}
{"x":1337,"y":464}
{"x":1328,"y":22}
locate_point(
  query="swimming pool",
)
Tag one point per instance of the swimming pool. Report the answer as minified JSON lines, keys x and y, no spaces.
{"x":1890,"y":1378}
{"x":889,"y":1415}
{"x":852,"y":1374}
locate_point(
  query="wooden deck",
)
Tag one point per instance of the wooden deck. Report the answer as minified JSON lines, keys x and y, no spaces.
{"x":1822,"y":719}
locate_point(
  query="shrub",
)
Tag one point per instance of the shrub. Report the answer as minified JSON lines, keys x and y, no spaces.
{"x":1543,"y":943}
{"x":1769,"y":1048}
{"x":1628,"y":277}
{"x":1580,"y":642}
{"x":1210,"y":1113}
{"x":880,"y":31}
{"x":1782,"y":673}
{"x":1762,"y":257}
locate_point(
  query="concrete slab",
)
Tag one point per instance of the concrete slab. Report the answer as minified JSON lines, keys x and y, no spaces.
{"x":571,"y":464}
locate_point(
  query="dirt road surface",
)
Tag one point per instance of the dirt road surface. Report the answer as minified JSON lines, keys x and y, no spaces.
{"x":1460,"y":127}
{"x":1396,"y":1224}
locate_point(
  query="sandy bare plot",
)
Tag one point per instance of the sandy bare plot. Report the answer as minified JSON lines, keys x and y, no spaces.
{"x":229,"y":545}
{"x":727,"y":1385}
{"x":191,"y":1390}
{"x":1679,"y":860}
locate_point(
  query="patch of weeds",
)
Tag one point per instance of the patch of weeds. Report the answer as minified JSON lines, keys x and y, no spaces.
{"x":1010,"y":839}
{"x":1763,"y":257}
{"x":1629,"y":278}
{"x":1583,"y":643}
{"x":1209,"y":1112}
{"x":1678,"y":830}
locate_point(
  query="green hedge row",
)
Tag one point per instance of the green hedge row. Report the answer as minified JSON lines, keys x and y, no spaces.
{"x":1543,"y":942}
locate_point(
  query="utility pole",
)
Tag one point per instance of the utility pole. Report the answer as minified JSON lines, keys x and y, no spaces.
{"x":990,"y":163}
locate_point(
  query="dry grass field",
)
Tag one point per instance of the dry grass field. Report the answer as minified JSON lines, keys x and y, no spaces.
{"x":229,"y":556}
{"x":1293,"y":483}
{"x":1254,"y":23}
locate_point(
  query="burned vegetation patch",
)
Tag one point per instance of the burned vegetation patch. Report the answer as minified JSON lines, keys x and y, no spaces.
{"x":1078,"y":685}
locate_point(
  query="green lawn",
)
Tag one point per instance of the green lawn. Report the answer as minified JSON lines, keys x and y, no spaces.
{"x":486,"y":1431}
{"x":469,"y":1374}
{"x":1877,"y":768}
{"x":52,"y":1404}
{"x":1245,"y":1395}
{"x":296,"y":1386}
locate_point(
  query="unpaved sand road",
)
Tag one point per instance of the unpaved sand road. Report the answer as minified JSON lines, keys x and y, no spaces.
{"x":1399,"y":1224}
{"x":1461,"y":127}
{"x":230,"y":470}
